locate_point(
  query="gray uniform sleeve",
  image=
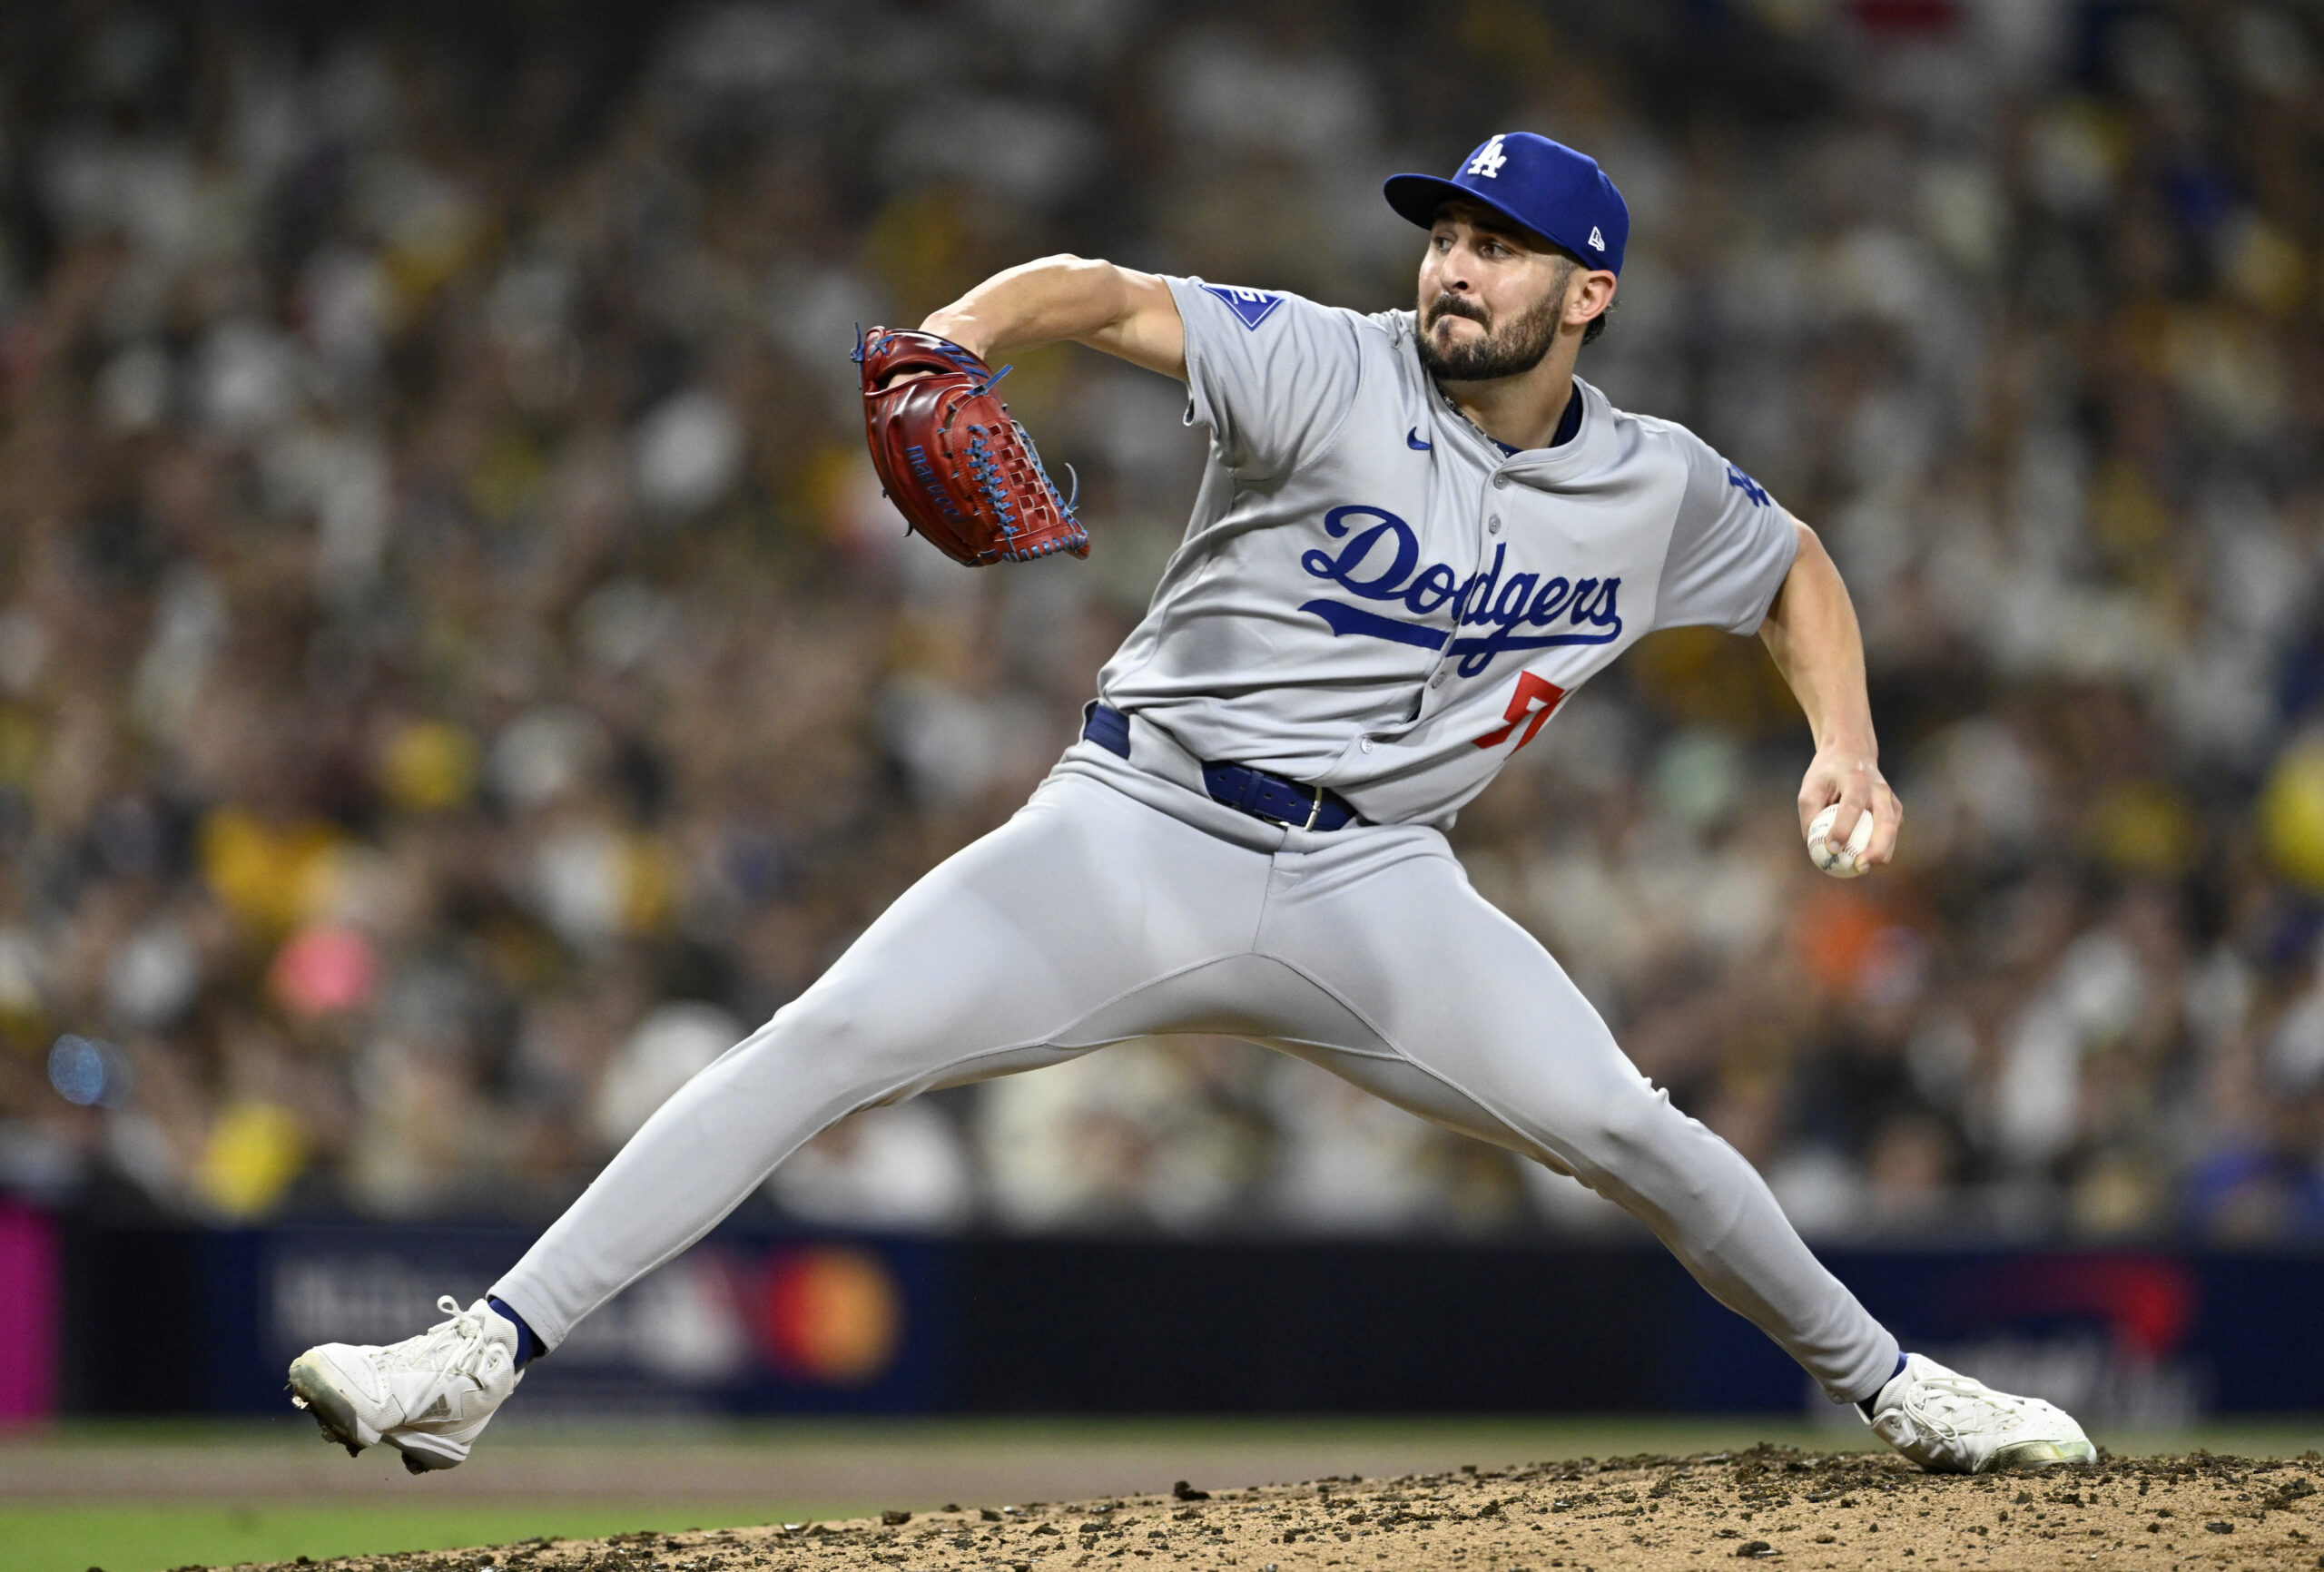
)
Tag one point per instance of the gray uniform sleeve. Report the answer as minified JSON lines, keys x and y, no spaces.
{"x":1729,"y":550}
{"x":1271,"y":374}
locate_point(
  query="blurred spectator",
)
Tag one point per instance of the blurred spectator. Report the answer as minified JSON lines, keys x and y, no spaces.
{"x":1158,"y":1133}
{"x":457,"y":674}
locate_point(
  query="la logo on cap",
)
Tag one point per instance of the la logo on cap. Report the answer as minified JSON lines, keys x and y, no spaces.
{"x":1489,"y":160}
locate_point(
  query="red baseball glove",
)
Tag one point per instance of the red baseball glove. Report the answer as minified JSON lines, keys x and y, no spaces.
{"x":952,"y":458}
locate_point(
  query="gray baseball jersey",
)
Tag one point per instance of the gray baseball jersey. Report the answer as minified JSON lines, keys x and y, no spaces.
{"x":1373,"y":596}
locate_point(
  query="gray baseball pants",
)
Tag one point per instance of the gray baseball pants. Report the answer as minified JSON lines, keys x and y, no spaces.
{"x":1121,"y":902}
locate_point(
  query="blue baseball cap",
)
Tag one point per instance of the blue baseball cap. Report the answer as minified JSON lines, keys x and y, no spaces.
{"x":1543,"y":185}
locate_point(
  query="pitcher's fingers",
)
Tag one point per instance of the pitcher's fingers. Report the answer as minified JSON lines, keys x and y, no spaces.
{"x":1818,"y":791}
{"x":1887,"y":820}
{"x":1856,"y":802}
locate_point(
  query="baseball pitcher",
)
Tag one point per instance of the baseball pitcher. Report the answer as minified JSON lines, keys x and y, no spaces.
{"x":1418,"y":531}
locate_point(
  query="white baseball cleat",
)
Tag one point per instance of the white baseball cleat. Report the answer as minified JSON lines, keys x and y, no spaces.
{"x":1950,"y":1423}
{"x":428,"y":1396}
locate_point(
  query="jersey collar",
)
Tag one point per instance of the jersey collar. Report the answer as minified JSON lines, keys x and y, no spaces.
{"x":1568,"y":426}
{"x":1587,"y":449}
{"x":1579,"y":435}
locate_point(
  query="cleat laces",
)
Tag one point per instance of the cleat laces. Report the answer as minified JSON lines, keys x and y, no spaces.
{"x":450,"y":1347}
{"x":1943,"y":1405}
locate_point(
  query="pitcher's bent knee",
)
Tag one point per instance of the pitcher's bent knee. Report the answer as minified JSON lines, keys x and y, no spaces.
{"x":1631,"y":1141}
{"x":829,"y":1022}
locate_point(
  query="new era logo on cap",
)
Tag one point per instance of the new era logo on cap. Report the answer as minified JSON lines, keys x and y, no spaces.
{"x":1597,"y":241}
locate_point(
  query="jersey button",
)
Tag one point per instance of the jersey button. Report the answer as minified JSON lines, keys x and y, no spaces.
{"x":1499,"y":481}
{"x":1367,"y":745}
{"x":1437,"y":681}
{"x":1492,"y":525}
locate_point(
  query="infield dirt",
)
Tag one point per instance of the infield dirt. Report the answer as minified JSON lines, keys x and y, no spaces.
{"x":1809,"y":1509}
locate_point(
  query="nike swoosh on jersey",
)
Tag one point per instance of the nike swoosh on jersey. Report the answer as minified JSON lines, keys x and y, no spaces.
{"x":1412,"y":441}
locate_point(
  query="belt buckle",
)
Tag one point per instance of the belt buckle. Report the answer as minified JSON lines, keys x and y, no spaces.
{"x":1315,"y":810}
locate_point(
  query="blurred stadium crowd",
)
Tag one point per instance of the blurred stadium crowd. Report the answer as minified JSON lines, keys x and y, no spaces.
{"x":458,"y":672}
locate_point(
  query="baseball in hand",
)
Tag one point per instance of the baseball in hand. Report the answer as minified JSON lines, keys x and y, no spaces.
{"x":1839,"y":861}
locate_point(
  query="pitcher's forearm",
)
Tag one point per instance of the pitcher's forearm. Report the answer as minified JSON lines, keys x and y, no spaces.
{"x":1813,"y":635}
{"x":1812,"y":632}
{"x":1121,"y":311}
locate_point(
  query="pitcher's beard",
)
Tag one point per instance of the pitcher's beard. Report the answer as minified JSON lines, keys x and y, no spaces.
{"x":1510,"y":351}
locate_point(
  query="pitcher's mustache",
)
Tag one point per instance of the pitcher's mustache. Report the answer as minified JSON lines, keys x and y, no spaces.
{"x":1457,"y":306}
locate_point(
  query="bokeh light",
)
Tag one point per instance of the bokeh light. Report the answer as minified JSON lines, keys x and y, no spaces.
{"x":86,"y":1071}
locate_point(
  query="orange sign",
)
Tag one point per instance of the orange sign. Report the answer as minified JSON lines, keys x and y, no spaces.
{"x":830,"y":1314}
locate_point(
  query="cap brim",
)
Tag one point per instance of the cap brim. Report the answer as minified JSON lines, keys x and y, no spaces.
{"x":1416,"y":198}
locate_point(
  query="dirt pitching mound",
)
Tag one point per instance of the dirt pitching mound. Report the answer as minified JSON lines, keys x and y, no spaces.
{"x":1810,"y":1509}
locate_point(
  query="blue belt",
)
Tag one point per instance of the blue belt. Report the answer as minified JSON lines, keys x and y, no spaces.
{"x":1260,"y":793}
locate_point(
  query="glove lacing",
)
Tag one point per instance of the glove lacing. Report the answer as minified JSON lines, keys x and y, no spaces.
{"x":454,"y":1347}
{"x":1938,"y":1405}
